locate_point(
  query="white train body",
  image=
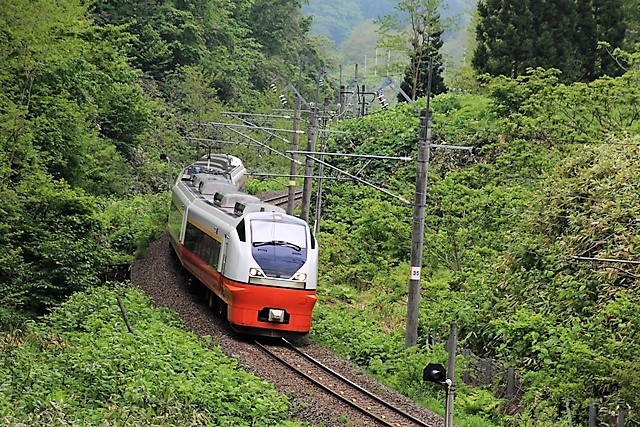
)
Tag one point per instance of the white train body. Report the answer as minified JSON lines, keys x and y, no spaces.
{"x":261,"y":262}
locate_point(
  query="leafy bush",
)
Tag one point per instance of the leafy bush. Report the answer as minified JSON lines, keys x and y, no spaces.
{"x":130,"y":224}
{"x":11,"y":319}
{"x":83,"y":367}
{"x":502,"y":236}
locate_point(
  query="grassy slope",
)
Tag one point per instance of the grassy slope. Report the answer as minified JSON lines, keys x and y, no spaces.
{"x":80,"y":366}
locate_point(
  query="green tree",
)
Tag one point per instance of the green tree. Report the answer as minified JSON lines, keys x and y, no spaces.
{"x":514,"y":36}
{"x":72,"y":117}
{"x":415,"y":31}
{"x":176,"y":33}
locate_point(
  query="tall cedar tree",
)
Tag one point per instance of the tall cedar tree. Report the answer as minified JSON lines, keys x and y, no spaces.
{"x":416,"y":30}
{"x":416,"y":78}
{"x":514,"y":35}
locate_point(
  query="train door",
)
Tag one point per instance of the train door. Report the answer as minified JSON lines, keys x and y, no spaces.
{"x":223,"y":254}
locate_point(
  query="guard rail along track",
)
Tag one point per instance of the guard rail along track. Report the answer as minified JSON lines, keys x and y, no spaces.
{"x":379,"y":411}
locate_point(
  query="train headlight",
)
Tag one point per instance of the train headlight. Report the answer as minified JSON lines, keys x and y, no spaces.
{"x":300,"y":277}
{"x":255,"y":272}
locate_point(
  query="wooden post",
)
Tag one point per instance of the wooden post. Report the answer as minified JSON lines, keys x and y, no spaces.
{"x":466,"y":374}
{"x":487,"y":371}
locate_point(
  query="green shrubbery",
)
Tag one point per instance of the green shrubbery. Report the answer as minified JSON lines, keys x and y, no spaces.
{"x":501,"y":231}
{"x":82,"y":367}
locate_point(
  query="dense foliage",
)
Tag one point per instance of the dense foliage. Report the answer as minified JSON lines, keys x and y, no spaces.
{"x":551,"y":183}
{"x":514,"y":36}
{"x":73,"y":121}
{"x":89,"y":370}
{"x":93,"y":93}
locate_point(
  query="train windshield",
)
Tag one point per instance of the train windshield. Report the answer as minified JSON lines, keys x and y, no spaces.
{"x":279,"y":248}
{"x":277,"y":233}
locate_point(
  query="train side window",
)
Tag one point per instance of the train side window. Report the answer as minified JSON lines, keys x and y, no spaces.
{"x":175,"y":219}
{"x":313,"y":240}
{"x":241,"y":231}
{"x":202,"y":245}
{"x":190,"y":238}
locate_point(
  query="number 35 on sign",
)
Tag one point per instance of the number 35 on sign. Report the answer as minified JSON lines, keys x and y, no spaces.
{"x":415,"y":273}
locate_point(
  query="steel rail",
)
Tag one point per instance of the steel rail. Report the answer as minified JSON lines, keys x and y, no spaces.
{"x":344,"y":380}
{"x":322,"y":386}
{"x":283,"y":198}
{"x":356,"y":386}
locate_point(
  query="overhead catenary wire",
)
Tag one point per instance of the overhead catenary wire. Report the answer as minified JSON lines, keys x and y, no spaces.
{"x":222,"y":141}
{"x":367,"y":156}
{"x":232,"y":125}
{"x":264,"y":145}
{"x":596,"y":259}
{"x":402,"y":199}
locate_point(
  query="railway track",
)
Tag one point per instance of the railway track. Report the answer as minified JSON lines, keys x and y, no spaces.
{"x":375,"y":409}
{"x":282,"y":198}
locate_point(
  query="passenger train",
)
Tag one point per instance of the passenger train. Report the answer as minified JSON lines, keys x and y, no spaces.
{"x":258,"y":263}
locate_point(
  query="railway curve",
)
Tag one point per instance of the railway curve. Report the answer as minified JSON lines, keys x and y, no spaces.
{"x":160,"y":277}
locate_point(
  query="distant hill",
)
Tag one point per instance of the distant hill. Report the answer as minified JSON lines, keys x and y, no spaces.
{"x":349,"y":24}
{"x":337,"y":19}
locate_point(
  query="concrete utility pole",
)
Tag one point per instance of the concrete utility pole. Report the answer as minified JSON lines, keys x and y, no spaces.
{"x":294,"y":147}
{"x":323,"y":146}
{"x":413,"y":304}
{"x":308,"y":166}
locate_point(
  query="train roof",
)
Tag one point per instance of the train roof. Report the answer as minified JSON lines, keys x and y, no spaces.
{"x":216,"y":180}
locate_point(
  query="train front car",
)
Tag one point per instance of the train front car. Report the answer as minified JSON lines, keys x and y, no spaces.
{"x":260,"y":262}
{"x":271,"y":278}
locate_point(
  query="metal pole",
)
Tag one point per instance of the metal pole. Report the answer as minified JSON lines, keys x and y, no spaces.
{"x":294,"y":147}
{"x":451,"y":371}
{"x":413,"y":303}
{"x":622,"y":415}
{"x":356,"y":98}
{"x":593,"y":414}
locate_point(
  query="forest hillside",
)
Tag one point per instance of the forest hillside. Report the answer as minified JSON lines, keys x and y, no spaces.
{"x":531,"y":241}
